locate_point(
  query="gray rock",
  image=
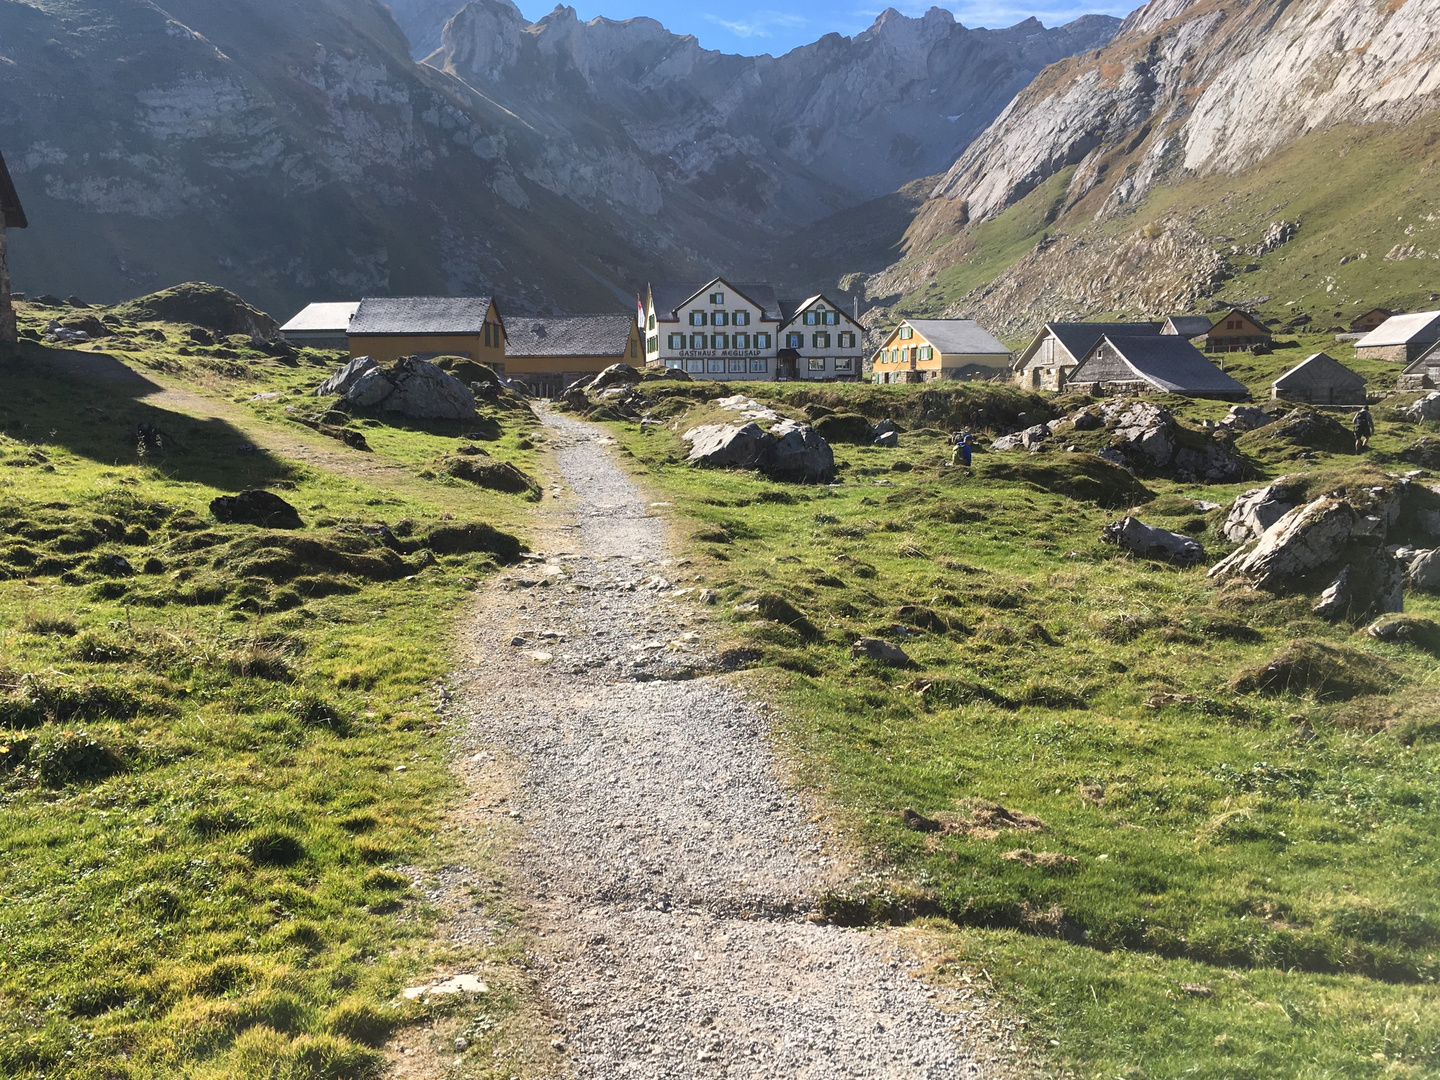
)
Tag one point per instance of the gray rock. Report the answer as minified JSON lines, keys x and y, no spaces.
{"x":1153,"y":542}
{"x":1256,"y":510}
{"x":1427,"y":408}
{"x":370,"y":389}
{"x":341,"y":382}
{"x":869,"y":648}
{"x":726,"y":445}
{"x":616,"y":375}
{"x":1424,"y":570}
{"x":1246,"y":418}
{"x":1033,"y":436}
{"x":799,"y":452}
{"x":414,"y":388}
{"x":1306,"y":539}
{"x":1008,"y":442}
{"x":890,"y":439}
{"x":1363,"y":589}
{"x":885,"y":427}
{"x":1086,"y":420}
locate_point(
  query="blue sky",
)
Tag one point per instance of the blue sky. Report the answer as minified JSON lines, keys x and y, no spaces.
{"x":776,"y":26}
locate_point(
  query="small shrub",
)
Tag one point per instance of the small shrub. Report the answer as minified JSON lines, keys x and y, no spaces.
{"x":312,"y":710}
{"x":61,"y":756}
{"x":361,"y":1022}
{"x":48,"y":624}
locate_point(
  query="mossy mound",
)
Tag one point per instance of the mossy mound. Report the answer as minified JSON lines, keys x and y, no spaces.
{"x":200,"y":304}
{"x":1083,"y":477}
{"x":1299,"y":430}
{"x":495,"y":475}
{"x":843,"y":428}
{"x":1329,"y":672}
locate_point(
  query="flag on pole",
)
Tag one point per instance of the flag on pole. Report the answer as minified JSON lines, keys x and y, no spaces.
{"x":639,"y":312}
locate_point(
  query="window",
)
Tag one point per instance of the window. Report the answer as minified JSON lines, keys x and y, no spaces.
{"x":676,"y":364}
{"x":719,"y":341}
{"x":652,"y":343}
{"x":906,"y":333}
{"x":832,"y":318}
{"x":719,"y":319}
{"x":677,"y":341}
{"x":794,"y":341}
{"x":697,"y":318}
{"x":737,"y":366}
{"x":817,"y":363}
{"x":717,"y":298}
{"x":820,"y":341}
{"x":486,"y":335}
{"x":697,"y":341}
{"x":651,"y":324}
{"x":927,"y":353}
{"x":759,"y":365}
{"x":844,"y":363}
{"x":762,"y":341}
{"x":634,"y":348}
{"x":695,"y":367}
{"x":845,"y":339}
{"x":812,"y":318}
{"x":742,"y":341}
{"x":715,"y":367}
{"x":742,"y":318}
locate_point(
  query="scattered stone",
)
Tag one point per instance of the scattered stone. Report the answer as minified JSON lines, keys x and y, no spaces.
{"x":496,"y":475}
{"x":800,"y":454}
{"x":1197,"y":990}
{"x":1302,"y":540}
{"x":459,"y":984}
{"x":1406,"y":629}
{"x":255,"y":507}
{"x":1032,"y":437}
{"x":1427,"y":408}
{"x":1014,"y":442}
{"x":708,"y":596}
{"x":1245,"y":418}
{"x":346,"y":377}
{"x":869,"y":648}
{"x":1364,"y":588}
{"x":616,"y":375}
{"x":790,"y":451}
{"x":1153,"y":542}
{"x":1424,"y":570}
{"x":889,"y":440}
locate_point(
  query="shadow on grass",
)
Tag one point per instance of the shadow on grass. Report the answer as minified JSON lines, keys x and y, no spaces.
{"x":92,"y":405}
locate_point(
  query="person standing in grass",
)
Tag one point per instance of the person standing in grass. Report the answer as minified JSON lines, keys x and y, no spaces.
{"x":1364,"y":427}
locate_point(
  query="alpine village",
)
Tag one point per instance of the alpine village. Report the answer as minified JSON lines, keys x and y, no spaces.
{"x":544,"y":548}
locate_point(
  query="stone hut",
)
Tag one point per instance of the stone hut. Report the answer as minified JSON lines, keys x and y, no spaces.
{"x":1189,"y":327}
{"x":1371,"y":320}
{"x":1320,"y":380}
{"x":1402,"y":338}
{"x":1235,"y":331}
{"x":12,"y":216}
{"x":1056,"y":351}
{"x":1422,"y":373}
{"x":1155,"y":364}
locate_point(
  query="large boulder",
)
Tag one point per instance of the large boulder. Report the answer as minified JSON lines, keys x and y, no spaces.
{"x":799,"y":453}
{"x":1304,"y":540}
{"x":614,"y":375}
{"x":1424,"y":570}
{"x":346,"y":377}
{"x":1152,"y":542}
{"x":255,"y":507}
{"x":414,"y":388}
{"x":1216,"y":462}
{"x":1143,"y":430}
{"x":1369,"y":585}
{"x":1245,"y":418}
{"x":1427,"y":408}
{"x":1257,"y":509}
{"x":726,"y":445}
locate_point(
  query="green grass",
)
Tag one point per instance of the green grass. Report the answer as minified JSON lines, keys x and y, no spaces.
{"x":1274,"y":850}
{"x":223,"y":776}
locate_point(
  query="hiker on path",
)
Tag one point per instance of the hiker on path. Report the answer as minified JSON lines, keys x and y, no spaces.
{"x":1364,"y":428}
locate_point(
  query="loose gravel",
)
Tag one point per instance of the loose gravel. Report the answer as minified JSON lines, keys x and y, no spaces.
{"x":668,"y":871}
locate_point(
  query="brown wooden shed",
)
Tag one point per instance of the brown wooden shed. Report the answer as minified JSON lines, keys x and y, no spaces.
{"x":1236,"y":330}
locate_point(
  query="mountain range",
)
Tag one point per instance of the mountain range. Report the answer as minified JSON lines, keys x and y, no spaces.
{"x":297,"y":151}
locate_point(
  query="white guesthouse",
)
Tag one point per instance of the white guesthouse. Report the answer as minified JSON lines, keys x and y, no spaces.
{"x":716,"y":330}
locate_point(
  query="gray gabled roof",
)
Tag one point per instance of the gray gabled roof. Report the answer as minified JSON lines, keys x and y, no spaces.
{"x":958,"y":336}
{"x":334,"y":318}
{"x":1417,"y":328}
{"x":420,"y":315}
{"x":1423,"y":361}
{"x":670,"y":296}
{"x":1187,"y":326}
{"x":1078,"y":338}
{"x":790,"y":310}
{"x":568,"y":335}
{"x":1321,"y":368}
{"x":10,"y":208}
{"x":1170,"y":362}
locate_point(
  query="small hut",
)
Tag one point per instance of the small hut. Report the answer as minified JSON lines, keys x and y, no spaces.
{"x":1189,"y":327}
{"x":1422,"y":373}
{"x":1154,"y":364}
{"x":1371,"y":320}
{"x":1320,"y":380}
{"x":1401,"y":337}
{"x":1235,"y":331}
{"x":12,"y":216}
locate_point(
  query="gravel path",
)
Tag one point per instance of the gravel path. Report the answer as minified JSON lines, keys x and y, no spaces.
{"x":666,"y":867}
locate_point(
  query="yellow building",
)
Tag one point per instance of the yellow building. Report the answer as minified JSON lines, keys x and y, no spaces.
{"x":921,"y":350}
{"x":549,"y":352}
{"x":385,"y":328}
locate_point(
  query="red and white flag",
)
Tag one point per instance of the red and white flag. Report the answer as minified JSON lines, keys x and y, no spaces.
{"x":640,"y":313}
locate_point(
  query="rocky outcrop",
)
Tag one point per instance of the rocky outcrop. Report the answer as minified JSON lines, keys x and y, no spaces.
{"x":414,"y":388}
{"x":346,"y":377}
{"x":1427,"y":408}
{"x":1256,"y":510}
{"x":1153,"y":542}
{"x":788,"y":451}
{"x":255,"y":507}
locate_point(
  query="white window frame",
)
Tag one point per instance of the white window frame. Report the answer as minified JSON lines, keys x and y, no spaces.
{"x":698,"y":318}
{"x":759,"y":365}
{"x":678,"y":365}
{"x":820,"y":340}
{"x":715,"y":366}
{"x":677,"y":341}
{"x":717,"y":298}
{"x":762,"y":341}
{"x":817,"y":363}
{"x":794,"y":341}
{"x":844,"y":363}
{"x":742,"y":318}
{"x":742,"y":341}
{"x":737,"y":365}
{"x":695,"y":367}
{"x":719,"y":318}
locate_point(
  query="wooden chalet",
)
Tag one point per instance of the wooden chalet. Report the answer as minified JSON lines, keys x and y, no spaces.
{"x":1153,"y":364}
{"x":1371,"y":320}
{"x":386,"y":328}
{"x":1320,"y":379}
{"x":922,"y":350}
{"x":1422,"y":373}
{"x":1057,"y":350}
{"x":12,"y":216}
{"x":1189,"y":327}
{"x":1236,"y":331}
{"x":1402,"y":338}
{"x":549,"y":352}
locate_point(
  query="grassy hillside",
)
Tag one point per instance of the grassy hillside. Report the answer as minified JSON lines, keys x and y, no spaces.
{"x":1076,"y":795}
{"x":1358,"y":194}
{"x":221,"y":764}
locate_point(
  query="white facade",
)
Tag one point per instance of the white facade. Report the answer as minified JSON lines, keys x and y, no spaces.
{"x":716,"y":332}
{"x":829,"y":342}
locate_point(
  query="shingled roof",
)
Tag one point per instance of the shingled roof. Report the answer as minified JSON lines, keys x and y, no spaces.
{"x":1170,"y":363}
{"x":670,"y":296}
{"x":333,"y":317}
{"x":1187,"y":326}
{"x":10,"y":208}
{"x":1320,"y":368}
{"x":958,"y":337}
{"x":568,"y":335}
{"x":420,"y":315}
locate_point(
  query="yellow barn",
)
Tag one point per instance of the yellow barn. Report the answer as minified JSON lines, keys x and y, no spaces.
{"x":385,"y":328}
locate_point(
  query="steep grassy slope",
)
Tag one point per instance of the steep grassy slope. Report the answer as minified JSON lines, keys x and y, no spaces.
{"x":1170,"y":873}
{"x":221,"y":771}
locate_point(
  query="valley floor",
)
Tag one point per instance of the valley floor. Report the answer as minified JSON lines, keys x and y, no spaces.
{"x":666,"y":868}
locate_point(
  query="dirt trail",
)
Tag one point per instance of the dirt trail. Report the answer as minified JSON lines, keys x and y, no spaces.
{"x":664,"y":866}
